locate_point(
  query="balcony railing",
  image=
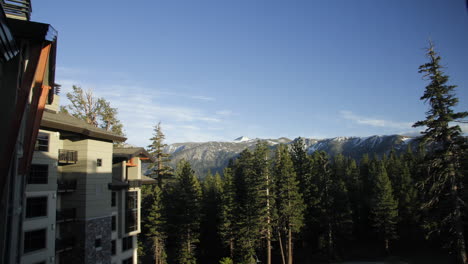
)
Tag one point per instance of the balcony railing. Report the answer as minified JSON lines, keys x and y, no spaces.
{"x":67,"y":156}
{"x":66,"y":185}
{"x":18,"y":8}
{"x":121,"y":185}
{"x":64,"y":244}
{"x":134,"y":183}
{"x":66,"y":215}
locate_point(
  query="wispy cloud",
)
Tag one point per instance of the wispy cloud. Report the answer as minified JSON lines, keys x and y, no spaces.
{"x":224,"y":113}
{"x":195,"y":97}
{"x":141,"y":108}
{"x":203,"y":98}
{"x":374,"y":122}
{"x":402,"y":128}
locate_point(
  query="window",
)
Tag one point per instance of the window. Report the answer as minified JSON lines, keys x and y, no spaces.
{"x":42,"y":142}
{"x":97,"y":243}
{"x":127,"y":243}
{"x":113,"y":249}
{"x":131,"y":211}
{"x":34,"y":240}
{"x":114,"y":222}
{"x":36,"y":207}
{"x":114,"y":199}
{"x":99,"y":162}
{"x":128,"y":261}
{"x":132,"y":200}
{"x":131,"y":222}
{"x":38,"y":174}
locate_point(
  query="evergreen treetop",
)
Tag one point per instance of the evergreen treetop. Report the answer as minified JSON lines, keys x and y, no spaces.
{"x":159,"y":170}
{"x":441,"y":99}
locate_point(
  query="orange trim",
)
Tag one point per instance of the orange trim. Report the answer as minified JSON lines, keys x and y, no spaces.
{"x":132,"y":162}
{"x":39,"y":99}
{"x":18,"y":114}
{"x":144,"y":158}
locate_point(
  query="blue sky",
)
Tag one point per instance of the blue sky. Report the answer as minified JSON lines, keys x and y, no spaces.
{"x":216,"y":70}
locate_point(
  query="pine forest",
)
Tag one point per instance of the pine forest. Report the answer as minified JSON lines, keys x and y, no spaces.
{"x":281,"y":204}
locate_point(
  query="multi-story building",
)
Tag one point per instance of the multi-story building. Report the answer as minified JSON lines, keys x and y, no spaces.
{"x":64,"y":197}
{"x":68,"y":212}
{"x":127,"y":179}
{"x":82,"y":195}
{"x":27,"y":73}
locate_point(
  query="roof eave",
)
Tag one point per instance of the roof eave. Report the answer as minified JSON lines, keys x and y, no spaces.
{"x":137,"y":152}
{"x":80,"y":130}
{"x":32,"y":30}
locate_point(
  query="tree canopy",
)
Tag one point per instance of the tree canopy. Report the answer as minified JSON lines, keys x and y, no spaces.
{"x":95,"y":111}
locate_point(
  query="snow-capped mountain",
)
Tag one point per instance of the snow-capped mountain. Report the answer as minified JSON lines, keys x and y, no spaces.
{"x":214,"y":155}
{"x":242,"y":139}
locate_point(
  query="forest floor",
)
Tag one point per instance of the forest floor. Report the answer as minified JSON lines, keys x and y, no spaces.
{"x":390,"y":260}
{"x":365,"y":262}
{"x":368,"y":253}
{"x":408,"y":259}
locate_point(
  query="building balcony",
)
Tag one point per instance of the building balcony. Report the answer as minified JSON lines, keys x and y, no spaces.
{"x":66,"y":215}
{"x":117,"y":185}
{"x":66,"y":185}
{"x":64,"y":244}
{"x":67,"y":156}
{"x":134,"y":183}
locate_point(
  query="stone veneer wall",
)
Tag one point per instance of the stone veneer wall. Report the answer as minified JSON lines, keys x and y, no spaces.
{"x":98,"y":228}
{"x":85,"y":233}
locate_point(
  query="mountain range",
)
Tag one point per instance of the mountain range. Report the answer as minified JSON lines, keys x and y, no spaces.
{"x":214,"y":156}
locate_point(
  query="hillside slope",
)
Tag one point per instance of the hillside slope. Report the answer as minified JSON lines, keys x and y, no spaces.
{"x":215,"y":156}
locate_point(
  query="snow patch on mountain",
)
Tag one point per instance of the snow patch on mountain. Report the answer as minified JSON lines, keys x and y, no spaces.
{"x":407,"y":139}
{"x":284,"y":140}
{"x":173,"y":149}
{"x":242,"y":139}
{"x":316,"y":147}
{"x":339,"y":139}
{"x":271,"y":143}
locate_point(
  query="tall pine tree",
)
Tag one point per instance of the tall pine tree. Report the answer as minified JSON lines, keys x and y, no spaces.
{"x":152,"y":205}
{"x":307,"y":187}
{"x":211,"y":248}
{"x":384,"y":207}
{"x":443,"y":186}
{"x":354,"y":186}
{"x":153,"y":223}
{"x":160,"y":169}
{"x":227,"y":210}
{"x":333,"y":209}
{"x":266,"y":197}
{"x":246,"y":223}
{"x":289,"y":203}
{"x":186,"y":213}
{"x":252,"y":204}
